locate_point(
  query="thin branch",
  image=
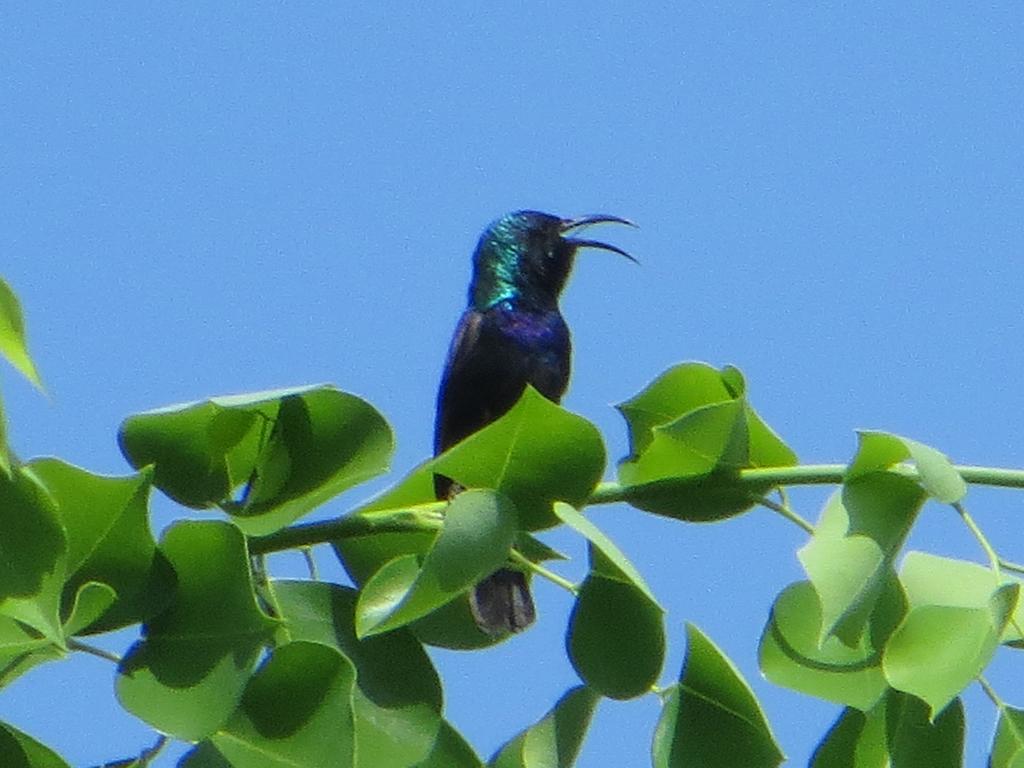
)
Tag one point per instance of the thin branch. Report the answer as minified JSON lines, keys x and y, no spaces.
{"x":424,"y":518}
{"x":314,"y":572}
{"x":786,"y":512}
{"x":990,"y":552}
{"x":78,"y":645}
{"x":521,"y":560}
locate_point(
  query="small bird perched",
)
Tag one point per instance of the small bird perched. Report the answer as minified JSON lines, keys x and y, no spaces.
{"x":511,"y":335}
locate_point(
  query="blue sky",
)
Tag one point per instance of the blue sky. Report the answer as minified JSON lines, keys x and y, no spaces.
{"x":215,"y":198}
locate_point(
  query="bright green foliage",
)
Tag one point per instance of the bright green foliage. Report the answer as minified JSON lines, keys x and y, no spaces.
{"x":264,"y":673}
{"x":554,"y":741}
{"x":450,"y":751}
{"x":947,"y":600}
{"x":710,"y":718}
{"x":863,"y":528}
{"x":314,"y":730}
{"x":881,"y":450}
{"x":689,"y":431}
{"x":19,"y":750}
{"x":33,"y":551}
{"x":397,"y":698}
{"x":13,"y":345}
{"x":478,"y":531}
{"x":186,"y":676}
{"x":1008,"y":744}
{"x":535,"y":454}
{"x":109,"y":541}
{"x":616,"y":634}
{"x":856,"y":740}
{"x":790,"y":654}
{"x":295,"y":448}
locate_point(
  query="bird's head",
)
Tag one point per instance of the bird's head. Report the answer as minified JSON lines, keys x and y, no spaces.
{"x":526,"y":256}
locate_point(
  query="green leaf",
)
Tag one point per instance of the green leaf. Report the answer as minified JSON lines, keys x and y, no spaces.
{"x":450,"y":750}
{"x":1008,"y":742}
{"x":616,"y":637}
{"x":711,"y":718}
{"x":915,"y":741}
{"x":680,"y":389}
{"x":12,"y":335}
{"x":109,"y":541}
{"x":951,"y":631}
{"x":790,"y":654}
{"x":849,"y":558}
{"x":204,"y":755}
{"x":19,"y":750}
{"x":91,"y":601}
{"x":398,"y":696}
{"x":21,"y":649}
{"x":554,"y":741}
{"x":32,"y":555}
{"x":620,"y":568}
{"x":690,"y":431}
{"x":297,"y":447}
{"x":856,"y":740}
{"x":880,"y":450}
{"x":695,"y":444}
{"x":535,"y":454}
{"x":313,"y":730}
{"x":477,"y":535}
{"x":187,"y":674}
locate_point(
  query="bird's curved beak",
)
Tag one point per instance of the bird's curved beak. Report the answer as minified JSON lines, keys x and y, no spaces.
{"x":568,"y":225}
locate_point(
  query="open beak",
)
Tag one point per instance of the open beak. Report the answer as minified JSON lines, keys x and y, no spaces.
{"x":568,"y":225}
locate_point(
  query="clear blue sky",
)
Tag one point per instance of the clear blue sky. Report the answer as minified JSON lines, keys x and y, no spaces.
{"x":211,"y":198}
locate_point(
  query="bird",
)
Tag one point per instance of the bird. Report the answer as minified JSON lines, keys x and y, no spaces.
{"x":511,"y":334}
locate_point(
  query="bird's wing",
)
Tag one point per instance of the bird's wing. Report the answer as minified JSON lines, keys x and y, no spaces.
{"x":458,"y":375}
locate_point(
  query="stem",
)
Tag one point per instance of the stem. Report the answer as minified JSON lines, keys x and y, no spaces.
{"x":78,"y":645}
{"x":1009,"y":565}
{"x":314,"y":573}
{"x":993,"y":558}
{"x":420,"y":519}
{"x":521,"y":560}
{"x":787,"y":513}
{"x":990,"y":692}
{"x":811,"y":474}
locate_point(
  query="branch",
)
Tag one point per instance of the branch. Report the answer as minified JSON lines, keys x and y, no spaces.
{"x":419,"y":519}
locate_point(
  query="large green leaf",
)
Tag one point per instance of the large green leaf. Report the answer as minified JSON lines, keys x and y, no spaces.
{"x":295,"y":448}
{"x":951,"y":631}
{"x":13,"y":345}
{"x":33,"y":550}
{"x":850,"y":557}
{"x":450,"y":750}
{"x":296,"y":711}
{"x":19,"y":750}
{"x":790,"y":654}
{"x":475,"y":540}
{"x":555,"y":740}
{"x":22,"y":648}
{"x":616,"y":632}
{"x":711,"y":718}
{"x":535,"y":454}
{"x":880,"y":450}
{"x":856,"y":740}
{"x":917,"y":741}
{"x":109,"y":542}
{"x":397,"y":701}
{"x":690,"y":431}
{"x":1008,"y":742}
{"x":187,"y":674}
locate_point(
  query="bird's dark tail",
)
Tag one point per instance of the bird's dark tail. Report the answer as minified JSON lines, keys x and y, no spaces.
{"x":501,"y":603}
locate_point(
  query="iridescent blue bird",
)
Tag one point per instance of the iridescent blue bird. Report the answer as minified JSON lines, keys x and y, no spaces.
{"x":512,"y":334}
